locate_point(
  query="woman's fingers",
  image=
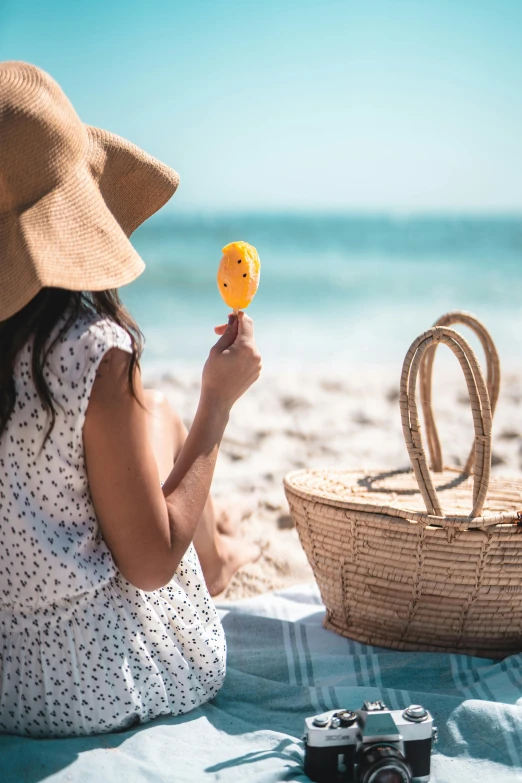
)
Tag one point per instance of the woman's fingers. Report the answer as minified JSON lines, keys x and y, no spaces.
{"x":245,"y":331}
{"x":228,"y":337}
{"x":233,"y":364}
{"x":221,"y":328}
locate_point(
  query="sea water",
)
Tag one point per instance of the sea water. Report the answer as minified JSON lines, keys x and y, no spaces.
{"x":340,"y":290}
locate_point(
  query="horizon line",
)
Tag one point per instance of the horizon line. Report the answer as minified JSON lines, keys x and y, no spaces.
{"x":289,"y":212}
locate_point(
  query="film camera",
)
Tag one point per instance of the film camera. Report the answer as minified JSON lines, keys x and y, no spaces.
{"x":371,"y":745}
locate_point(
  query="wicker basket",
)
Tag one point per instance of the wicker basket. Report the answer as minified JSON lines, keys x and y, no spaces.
{"x":394,"y":569}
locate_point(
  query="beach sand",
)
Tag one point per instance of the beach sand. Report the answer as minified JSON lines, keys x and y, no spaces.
{"x":319,"y":417}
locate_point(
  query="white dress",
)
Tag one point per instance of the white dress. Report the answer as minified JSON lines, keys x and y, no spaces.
{"x":81,"y":650}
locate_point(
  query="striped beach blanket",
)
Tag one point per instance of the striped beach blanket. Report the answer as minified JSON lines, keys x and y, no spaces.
{"x":282,"y":667}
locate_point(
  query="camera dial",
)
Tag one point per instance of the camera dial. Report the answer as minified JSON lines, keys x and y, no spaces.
{"x":321,"y":721}
{"x":347,"y":717}
{"x":415,"y":713}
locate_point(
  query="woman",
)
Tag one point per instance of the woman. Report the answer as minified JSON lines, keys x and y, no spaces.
{"x":105,"y":614}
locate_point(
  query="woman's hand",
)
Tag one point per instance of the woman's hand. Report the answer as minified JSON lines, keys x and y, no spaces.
{"x":233,"y":365}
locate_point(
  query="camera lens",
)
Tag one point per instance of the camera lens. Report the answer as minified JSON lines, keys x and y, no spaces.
{"x":384,"y":764}
{"x":388,"y":776}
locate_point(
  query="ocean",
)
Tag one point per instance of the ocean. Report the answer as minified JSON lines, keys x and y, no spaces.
{"x":341,"y":290}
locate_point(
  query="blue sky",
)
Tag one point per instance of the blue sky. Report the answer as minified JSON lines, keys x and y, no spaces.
{"x":298,"y":104}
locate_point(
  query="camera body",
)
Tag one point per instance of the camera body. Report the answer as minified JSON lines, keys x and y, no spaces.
{"x":373,"y":744}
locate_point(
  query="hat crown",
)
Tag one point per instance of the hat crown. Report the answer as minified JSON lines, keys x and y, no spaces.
{"x":41,"y":136}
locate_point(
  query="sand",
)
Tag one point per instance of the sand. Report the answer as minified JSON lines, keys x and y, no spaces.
{"x":320,"y":417}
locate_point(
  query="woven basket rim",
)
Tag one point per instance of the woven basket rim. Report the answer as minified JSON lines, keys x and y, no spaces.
{"x":331,"y":499}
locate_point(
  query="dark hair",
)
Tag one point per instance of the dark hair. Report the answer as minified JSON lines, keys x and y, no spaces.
{"x":36,"y":321}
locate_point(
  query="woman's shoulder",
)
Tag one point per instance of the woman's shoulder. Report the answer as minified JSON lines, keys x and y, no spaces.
{"x":95,"y":333}
{"x":80,"y":348}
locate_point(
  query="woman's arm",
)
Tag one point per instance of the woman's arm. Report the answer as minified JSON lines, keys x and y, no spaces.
{"x":146,"y":529}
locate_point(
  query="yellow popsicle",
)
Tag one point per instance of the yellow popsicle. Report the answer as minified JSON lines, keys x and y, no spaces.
{"x":238,"y":274}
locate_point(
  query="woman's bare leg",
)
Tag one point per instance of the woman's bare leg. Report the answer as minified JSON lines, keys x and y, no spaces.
{"x":220,"y":555}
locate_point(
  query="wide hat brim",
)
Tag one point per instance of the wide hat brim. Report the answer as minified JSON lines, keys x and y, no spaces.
{"x":76,"y":236}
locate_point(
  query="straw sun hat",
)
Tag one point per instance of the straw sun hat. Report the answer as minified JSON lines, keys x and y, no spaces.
{"x":70,"y":194}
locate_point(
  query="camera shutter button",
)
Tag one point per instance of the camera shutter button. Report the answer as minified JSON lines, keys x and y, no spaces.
{"x":415,"y":713}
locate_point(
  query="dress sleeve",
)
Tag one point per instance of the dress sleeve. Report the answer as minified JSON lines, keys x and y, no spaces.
{"x":92,"y":346}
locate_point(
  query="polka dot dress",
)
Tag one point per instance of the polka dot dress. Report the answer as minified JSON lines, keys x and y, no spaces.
{"x":81,"y":650}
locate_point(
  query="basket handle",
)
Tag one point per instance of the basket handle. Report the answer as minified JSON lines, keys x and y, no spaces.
{"x":480,"y":408}
{"x":426,"y":376}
